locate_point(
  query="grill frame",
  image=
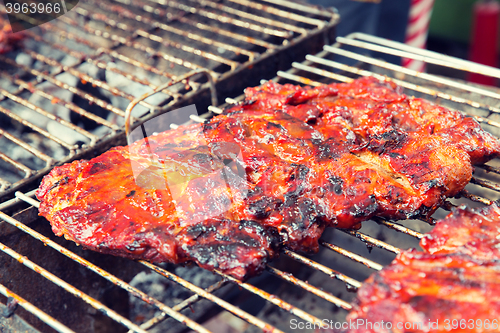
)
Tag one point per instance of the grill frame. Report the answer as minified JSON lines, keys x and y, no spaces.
{"x":479,"y":181}
{"x":205,"y":83}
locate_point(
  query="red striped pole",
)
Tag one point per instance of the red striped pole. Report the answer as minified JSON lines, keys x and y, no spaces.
{"x":417,"y":30}
{"x":484,"y":43}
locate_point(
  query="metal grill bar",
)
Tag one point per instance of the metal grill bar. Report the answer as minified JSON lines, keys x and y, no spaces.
{"x":319,"y":267}
{"x":196,"y":37}
{"x":273,"y":299}
{"x":36,"y":311}
{"x":227,"y":33}
{"x":256,"y":18}
{"x":27,"y":171}
{"x":490,"y":168}
{"x":297,"y":6}
{"x":215,"y":110}
{"x":126,"y":41}
{"x":310,"y":288}
{"x":372,"y":241}
{"x":98,"y":63}
{"x":406,"y":51}
{"x":145,"y":34}
{"x":476,"y":198}
{"x":303,"y":80}
{"x":225,"y":19}
{"x":100,"y":50}
{"x":133,"y":104}
{"x":26,"y":146}
{"x":351,"y":255}
{"x":49,"y":115}
{"x":181,"y":306}
{"x":84,"y":77}
{"x":282,"y":13}
{"x":229,"y":307}
{"x":133,"y":291}
{"x":69,"y":288}
{"x":54,"y":100}
{"x":14,"y":201}
{"x":200,"y":25}
{"x":36,"y":128}
{"x":399,"y":227}
{"x":486,"y":183}
{"x":207,"y":55}
{"x":65,"y":86}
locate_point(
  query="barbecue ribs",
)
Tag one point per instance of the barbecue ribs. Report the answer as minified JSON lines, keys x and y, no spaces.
{"x":369,"y":107}
{"x":455,"y":285}
{"x":229,"y":193}
{"x":429,"y":293}
{"x":471,"y":232}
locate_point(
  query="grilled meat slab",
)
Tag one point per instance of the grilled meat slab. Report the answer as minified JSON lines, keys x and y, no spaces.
{"x":368,"y":107}
{"x":429,"y":293}
{"x":471,"y":232}
{"x":227,"y":194}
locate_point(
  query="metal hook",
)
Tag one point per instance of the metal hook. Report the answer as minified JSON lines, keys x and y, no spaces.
{"x":130,"y":107}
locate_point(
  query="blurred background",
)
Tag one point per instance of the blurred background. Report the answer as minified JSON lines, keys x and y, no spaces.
{"x":467,"y":29}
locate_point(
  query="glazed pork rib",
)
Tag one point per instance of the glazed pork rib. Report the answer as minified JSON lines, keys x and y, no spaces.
{"x":429,"y":293}
{"x":471,"y":232}
{"x":229,"y":193}
{"x":453,"y":286}
{"x":369,"y":107}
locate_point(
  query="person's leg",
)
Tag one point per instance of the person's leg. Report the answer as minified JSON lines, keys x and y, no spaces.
{"x":393,"y":19}
{"x":393,"y":23}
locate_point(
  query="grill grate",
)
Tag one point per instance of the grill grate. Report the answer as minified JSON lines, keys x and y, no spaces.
{"x":321,"y":68}
{"x":104,"y":54}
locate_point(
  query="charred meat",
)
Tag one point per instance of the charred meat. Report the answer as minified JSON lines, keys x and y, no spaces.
{"x":227,"y":194}
{"x":454,"y":286}
{"x":471,"y":232}
{"x":429,"y":293}
{"x":370,"y":107}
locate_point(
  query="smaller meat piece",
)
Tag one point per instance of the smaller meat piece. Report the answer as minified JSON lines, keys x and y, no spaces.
{"x":429,"y":293}
{"x":8,"y":39}
{"x":471,"y":232}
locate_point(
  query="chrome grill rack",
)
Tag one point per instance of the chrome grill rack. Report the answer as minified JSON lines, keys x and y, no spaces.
{"x":102,"y":55}
{"x":338,"y":246}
